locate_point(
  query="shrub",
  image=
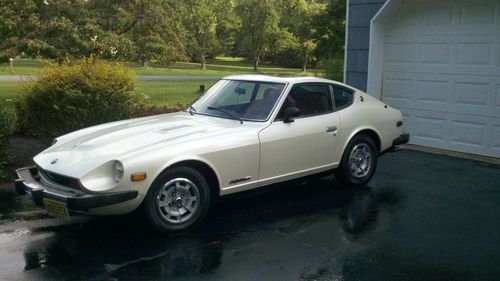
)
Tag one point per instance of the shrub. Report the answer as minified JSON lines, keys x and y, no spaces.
{"x":142,"y":111}
{"x":7,"y":125}
{"x":334,"y":68}
{"x":69,"y":97}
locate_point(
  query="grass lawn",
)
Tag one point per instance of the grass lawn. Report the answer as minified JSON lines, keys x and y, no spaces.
{"x":172,"y":92}
{"x":220,"y":66}
{"x":24,"y":66}
{"x":160,"y":92}
{"x":8,"y":92}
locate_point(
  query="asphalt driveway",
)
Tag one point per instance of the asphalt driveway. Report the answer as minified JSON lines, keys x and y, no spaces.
{"x":423,"y":217}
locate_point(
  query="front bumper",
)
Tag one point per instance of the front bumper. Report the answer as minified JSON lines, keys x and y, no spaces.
{"x":28,"y":182}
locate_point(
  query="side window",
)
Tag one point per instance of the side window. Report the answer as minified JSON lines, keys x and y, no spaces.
{"x":310,"y":99}
{"x":343,"y":97}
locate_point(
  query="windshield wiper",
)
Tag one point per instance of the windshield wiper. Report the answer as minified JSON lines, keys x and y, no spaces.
{"x":191,"y":109}
{"x":226,"y":112}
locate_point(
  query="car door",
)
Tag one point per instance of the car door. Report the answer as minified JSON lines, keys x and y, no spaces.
{"x":307,"y":144}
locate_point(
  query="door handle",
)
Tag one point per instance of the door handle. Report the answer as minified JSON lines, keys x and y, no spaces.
{"x":332,"y":129}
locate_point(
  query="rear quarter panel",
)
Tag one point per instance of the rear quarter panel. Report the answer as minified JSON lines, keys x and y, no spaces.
{"x":368,"y":113}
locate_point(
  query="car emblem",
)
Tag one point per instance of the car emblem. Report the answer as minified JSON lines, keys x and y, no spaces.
{"x":54,"y":161}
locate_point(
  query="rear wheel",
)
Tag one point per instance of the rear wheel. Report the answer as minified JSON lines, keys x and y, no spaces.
{"x":179,"y":199}
{"x":359,"y":161}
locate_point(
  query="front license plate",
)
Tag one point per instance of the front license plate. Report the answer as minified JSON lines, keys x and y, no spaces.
{"x":56,"y":208}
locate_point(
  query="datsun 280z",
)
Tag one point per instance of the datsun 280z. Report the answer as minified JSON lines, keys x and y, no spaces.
{"x":246,"y":131}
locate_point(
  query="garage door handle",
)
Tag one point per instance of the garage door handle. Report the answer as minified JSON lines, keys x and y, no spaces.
{"x":332,"y":129}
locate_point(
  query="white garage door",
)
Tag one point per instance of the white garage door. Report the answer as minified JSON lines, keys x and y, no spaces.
{"x":442,"y":69}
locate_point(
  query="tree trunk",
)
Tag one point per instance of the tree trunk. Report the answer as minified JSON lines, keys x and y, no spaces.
{"x":203,"y":62}
{"x":256,"y":63}
{"x":304,"y":64}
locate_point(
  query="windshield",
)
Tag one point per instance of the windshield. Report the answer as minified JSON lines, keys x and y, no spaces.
{"x":243,"y":100}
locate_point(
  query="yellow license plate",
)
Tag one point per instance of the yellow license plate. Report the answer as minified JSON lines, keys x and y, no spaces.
{"x":56,"y":208}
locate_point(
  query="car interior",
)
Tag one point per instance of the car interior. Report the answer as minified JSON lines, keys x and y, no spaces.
{"x":309,"y":99}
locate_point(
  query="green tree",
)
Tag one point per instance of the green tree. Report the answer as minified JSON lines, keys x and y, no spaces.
{"x":140,"y":30}
{"x":330,"y":29}
{"x":50,"y":29}
{"x":297,"y":16}
{"x":19,"y":28}
{"x":227,"y":33}
{"x":200,"y":19}
{"x":308,"y":47}
{"x":259,"y":23}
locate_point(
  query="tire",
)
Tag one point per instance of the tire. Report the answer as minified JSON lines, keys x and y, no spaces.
{"x":178,"y":200}
{"x":363,"y":167}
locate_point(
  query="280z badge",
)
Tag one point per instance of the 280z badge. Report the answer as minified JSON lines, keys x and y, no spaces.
{"x":54,"y":161}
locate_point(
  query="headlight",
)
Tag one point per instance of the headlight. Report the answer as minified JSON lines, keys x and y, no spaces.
{"x":118,"y":171}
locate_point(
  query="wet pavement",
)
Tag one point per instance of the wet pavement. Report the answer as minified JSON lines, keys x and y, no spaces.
{"x":423,"y":217}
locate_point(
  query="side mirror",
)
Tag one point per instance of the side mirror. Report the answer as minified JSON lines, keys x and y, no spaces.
{"x":289,"y":113}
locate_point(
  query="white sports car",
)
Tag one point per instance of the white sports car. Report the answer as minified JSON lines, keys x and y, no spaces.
{"x":245,"y":132}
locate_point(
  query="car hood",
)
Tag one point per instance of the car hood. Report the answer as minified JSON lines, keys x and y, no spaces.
{"x":80,"y":152}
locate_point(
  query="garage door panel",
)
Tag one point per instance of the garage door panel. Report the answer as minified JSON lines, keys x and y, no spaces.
{"x":441,"y":67}
{"x":437,"y":14}
{"x":474,"y":95}
{"x":425,"y":128}
{"x":461,"y":94}
{"x":497,"y":54}
{"x":430,"y":128}
{"x":495,"y":139}
{"x":474,"y":134}
{"x":471,"y":134}
{"x":403,"y":24}
{"x":468,"y":133}
{"x":461,"y":56}
{"x":474,"y":54}
{"x":435,"y":53}
{"x":407,"y":121}
{"x":445,"y":16}
{"x":433,"y":92}
{"x":497,"y":99}
{"x":473,"y":14}
{"x":470,"y":94}
{"x":399,"y":90}
{"x":399,"y":53}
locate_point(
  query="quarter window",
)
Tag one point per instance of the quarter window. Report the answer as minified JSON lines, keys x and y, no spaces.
{"x":343,"y":97}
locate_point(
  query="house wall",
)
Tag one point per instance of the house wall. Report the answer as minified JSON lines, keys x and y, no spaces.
{"x":360,"y":13}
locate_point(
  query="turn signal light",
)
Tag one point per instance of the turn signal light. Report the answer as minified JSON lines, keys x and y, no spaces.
{"x":138,"y":177}
{"x":399,"y":123}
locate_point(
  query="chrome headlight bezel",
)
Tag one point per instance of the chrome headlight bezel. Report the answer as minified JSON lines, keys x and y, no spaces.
{"x":118,"y":171}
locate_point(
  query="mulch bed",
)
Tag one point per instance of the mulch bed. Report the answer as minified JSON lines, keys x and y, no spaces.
{"x":23,"y":150}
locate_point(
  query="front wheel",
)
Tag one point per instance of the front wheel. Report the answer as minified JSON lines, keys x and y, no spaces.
{"x":177,"y":200}
{"x":358,"y":162}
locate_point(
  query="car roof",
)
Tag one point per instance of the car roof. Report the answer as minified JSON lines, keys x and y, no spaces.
{"x":278,"y":79}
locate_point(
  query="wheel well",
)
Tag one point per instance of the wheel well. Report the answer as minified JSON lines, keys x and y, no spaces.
{"x":205,"y":170}
{"x":373,"y":135}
